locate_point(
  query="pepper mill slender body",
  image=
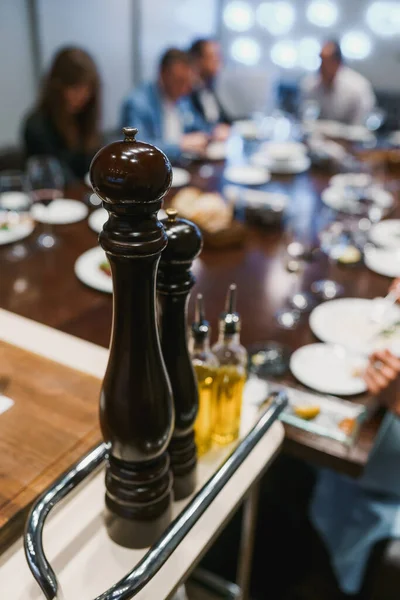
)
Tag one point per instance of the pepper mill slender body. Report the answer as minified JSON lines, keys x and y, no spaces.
{"x":136,"y":408}
{"x":174,"y":283}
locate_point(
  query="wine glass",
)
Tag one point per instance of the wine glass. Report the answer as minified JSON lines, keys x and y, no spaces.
{"x":15,"y":204}
{"x":47,"y":182}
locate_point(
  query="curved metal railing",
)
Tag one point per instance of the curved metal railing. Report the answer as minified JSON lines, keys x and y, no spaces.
{"x":158,"y":554}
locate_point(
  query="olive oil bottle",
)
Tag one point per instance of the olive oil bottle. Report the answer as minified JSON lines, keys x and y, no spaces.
{"x":232,"y":359}
{"x":205,"y":365}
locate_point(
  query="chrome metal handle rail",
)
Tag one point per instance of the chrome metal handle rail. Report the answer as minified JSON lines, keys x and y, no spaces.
{"x":158,"y":554}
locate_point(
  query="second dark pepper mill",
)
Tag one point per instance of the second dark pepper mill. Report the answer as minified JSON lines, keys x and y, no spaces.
{"x":174,"y":282}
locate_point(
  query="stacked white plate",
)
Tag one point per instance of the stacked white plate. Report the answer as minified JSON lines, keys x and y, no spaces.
{"x":334,"y":129}
{"x":334,"y":196}
{"x":282,"y":157}
{"x":384,"y":261}
{"x":349,"y":323}
{"x":329,"y":369}
{"x":247,"y":175}
{"x":386,"y":234}
{"x":60,"y":212}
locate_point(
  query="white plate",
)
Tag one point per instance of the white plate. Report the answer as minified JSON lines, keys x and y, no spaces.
{"x":14,"y":200}
{"x":247,"y":175}
{"x":60,"y":212}
{"x":216,"y":151}
{"x":256,"y":198}
{"x":394,"y":138}
{"x":386,"y":234}
{"x":334,"y":197}
{"x":384,"y":261}
{"x":283,"y":151}
{"x":347,"y":321}
{"x":355,"y":180}
{"x":329,"y":368}
{"x":87,"y":269}
{"x":292,"y":167}
{"x":86,"y":179}
{"x":17,"y":232}
{"x":180,"y":177}
{"x":247,"y":129}
{"x":334,"y":129}
{"x":97,"y":219}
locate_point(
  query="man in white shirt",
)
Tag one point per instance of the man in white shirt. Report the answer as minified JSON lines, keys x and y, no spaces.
{"x":341,"y":93}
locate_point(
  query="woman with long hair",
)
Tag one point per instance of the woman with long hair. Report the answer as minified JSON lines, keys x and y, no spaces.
{"x":65,"y":123}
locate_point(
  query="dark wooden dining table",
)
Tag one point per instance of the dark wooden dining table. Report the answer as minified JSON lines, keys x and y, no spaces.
{"x":43,"y":287}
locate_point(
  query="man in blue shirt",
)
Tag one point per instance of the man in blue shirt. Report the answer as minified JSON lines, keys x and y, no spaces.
{"x":163,"y":112}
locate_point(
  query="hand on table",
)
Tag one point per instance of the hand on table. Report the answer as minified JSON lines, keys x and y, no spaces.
{"x":395,"y":287}
{"x":194,"y":143}
{"x":221,"y":132}
{"x":383,"y":369}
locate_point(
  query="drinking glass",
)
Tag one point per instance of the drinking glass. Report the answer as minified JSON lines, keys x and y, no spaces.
{"x":15,"y":204}
{"x":47,"y":182}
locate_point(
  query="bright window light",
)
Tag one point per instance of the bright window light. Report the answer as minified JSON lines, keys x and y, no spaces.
{"x":246,"y":51}
{"x":276,"y":17}
{"x":284,"y":54}
{"x":239,"y":16}
{"x":384,"y":18}
{"x":356,"y":45}
{"x":308,"y":53}
{"x":323,"y":13}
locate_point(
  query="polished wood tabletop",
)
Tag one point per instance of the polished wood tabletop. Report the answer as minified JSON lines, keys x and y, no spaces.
{"x":43,"y":287}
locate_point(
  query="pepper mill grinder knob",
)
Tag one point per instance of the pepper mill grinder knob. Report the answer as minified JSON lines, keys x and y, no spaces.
{"x":136,"y":407}
{"x":174,"y":282}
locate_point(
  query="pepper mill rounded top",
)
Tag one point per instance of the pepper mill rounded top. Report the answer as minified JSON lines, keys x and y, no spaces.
{"x":184,"y":239}
{"x":130,"y":172}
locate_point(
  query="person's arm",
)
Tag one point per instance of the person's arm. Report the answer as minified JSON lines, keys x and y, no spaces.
{"x":364,"y":102}
{"x":383,"y":370}
{"x":135,"y":115}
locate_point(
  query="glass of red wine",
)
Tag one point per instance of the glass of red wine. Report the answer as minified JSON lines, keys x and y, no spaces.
{"x":46,"y":180}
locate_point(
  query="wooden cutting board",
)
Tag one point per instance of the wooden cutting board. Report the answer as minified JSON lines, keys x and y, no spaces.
{"x":53,"y":422}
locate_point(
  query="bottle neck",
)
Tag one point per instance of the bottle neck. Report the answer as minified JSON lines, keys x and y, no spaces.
{"x":228,"y":338}
{"x":199,"y":344}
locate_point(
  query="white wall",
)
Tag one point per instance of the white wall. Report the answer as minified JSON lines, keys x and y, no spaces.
{"x":17,"y":82}
{"x":166,"y":23}
{"x":382,"y":67}
{"x":104,"y":28}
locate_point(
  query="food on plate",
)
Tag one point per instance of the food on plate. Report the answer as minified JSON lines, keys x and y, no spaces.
{"x":4,"y":226}
{"x":208,"y":210}
{"x":357,"y":372}
{"x":347,"y":425}
{"x":307,"y":412}
{"x":105,"y":267}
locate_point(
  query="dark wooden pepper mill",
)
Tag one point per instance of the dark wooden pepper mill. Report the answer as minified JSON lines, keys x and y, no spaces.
{"x":136,"y":408}
{"x":174,"y":282}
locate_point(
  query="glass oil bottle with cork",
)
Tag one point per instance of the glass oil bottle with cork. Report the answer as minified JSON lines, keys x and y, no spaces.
{"x":205,"y":365}
{"x":232,"y":359}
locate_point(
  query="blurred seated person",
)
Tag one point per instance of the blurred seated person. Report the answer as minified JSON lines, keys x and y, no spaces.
{"x":352,"y":515}
{"x":341,"y":93}
{"x":162,"y":111}
{"x":207,"y":62}
{"x":65,"y":122}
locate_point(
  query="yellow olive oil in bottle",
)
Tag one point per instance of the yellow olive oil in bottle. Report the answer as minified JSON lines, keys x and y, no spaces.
{"x":232,"y":359}
{"x":205,"y":364}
